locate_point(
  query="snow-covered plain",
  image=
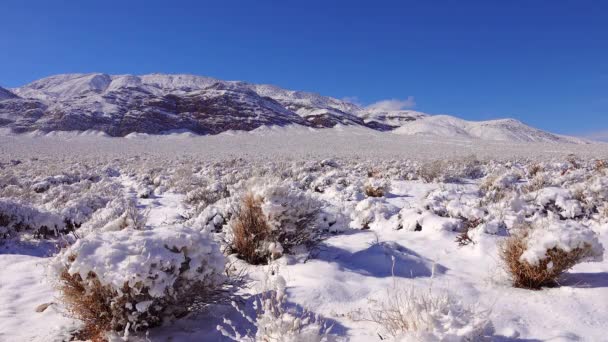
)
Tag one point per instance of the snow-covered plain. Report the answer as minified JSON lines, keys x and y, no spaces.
{"x":130,"y":196}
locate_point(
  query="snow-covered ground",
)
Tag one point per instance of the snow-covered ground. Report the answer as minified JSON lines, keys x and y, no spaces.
{"x":115,"y":202}
{"x":291,"y":141}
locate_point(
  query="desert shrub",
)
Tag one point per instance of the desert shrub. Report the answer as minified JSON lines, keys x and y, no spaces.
{"x":431,"y":171}
{"x":535,"y":256}
{"x":119,"y":213}
{"x":276,"y":321}
{"x":206,"y":195}
{"x":130,"y":280}
{"x":534,"y":169}
{"x":572,"y":159}
{"x":371,"y":211}
{"x":464,"y":238}
{"x":600,"y":165}
{"x":470,"y":167}
{"x":273,"y":219}
{"x":130,"y":218}
{"x":251,"y":234}
{"x":559,"y":201}
{"x":451,"y":170}
{"x":16,"y":218}
{"x":412,"y":314}
{"x":496,"y":186}
{"x":536,"y":183}
{"x":376,"y":188}
{"x":371,"y":191}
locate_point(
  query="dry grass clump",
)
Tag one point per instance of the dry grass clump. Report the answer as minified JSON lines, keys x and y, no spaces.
{"x":251,"y":231}
{"x":600,"y":165}
{"x":534,"y":169}
{"x":409,"y":313}
{"x":405,"y":310}
{"x":92,"y":304}
{"x":546,"y":273}
{"x":372,"y":191}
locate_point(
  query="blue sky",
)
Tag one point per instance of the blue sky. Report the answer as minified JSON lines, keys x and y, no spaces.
{"x":543,"y":62}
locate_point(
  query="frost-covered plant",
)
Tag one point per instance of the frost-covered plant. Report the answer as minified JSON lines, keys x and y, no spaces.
{"x":129,"y":280}
{"x":534,"y":169}
{"x":206,"y":195}
{"x":497,"y":185}
{"x":413,"y":314}
{"x":17,"y":217}
{"x":536,"y":255}
{"x":559,"y":201}
{"x":376,"y":187}
{"x":431,"y":171}
{"x":276,"y":321}
{"x":371,"y":210}
{"x":273,"y":219}
{"x":451,"y":170}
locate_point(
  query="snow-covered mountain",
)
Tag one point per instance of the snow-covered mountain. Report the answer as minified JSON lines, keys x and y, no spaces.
{"x":157,"y":103}
{"x":5,"y":94}
{"x":502,"y":130}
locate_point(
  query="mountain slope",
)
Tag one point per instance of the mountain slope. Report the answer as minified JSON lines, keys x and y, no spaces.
{"x":157,"y":103}
{"x":121,"y":104}
{"x":5,"y":94}
{"x":501,"y":130}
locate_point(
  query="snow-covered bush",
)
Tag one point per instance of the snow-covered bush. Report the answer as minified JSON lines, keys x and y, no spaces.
{"x":206,"y":195}
{"x":559,"y":201}
{"x":376,"y":187}
{"x":431,"y":171}
{"x":496,"y":185}
{"x":371,"y":210}
{"x":413,"y":314}
{"x":17,"y":217}
{"x":275,"y":321}
{"x":129,"y":280}
{"x":451,"y":170}
{"x":273,"y":219}
{"x":536,"y":255}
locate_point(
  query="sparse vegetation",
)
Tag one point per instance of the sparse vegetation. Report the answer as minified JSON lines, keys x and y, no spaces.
{"x":259,"y":212}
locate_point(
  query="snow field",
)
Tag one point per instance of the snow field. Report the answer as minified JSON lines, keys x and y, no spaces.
{"x":158,"y":224}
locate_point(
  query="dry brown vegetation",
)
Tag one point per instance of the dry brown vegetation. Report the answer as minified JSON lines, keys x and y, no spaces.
{"x":546,"y":273}
{"x":534,"y":169}
{"x":250,"y":231}
{"x":103,"y":308}
{"x":371,"y":191}
{"x":463,"y":238}
{"x":93,"y":304}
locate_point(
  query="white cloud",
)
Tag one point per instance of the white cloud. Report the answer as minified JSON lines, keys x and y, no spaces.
{"x":393,"y":104}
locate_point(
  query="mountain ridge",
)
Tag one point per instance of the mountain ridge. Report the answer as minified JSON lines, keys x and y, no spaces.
{"x":154,"y":103}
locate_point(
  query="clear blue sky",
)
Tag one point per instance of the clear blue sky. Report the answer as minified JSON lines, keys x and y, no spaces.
{"x":543,"y":62}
